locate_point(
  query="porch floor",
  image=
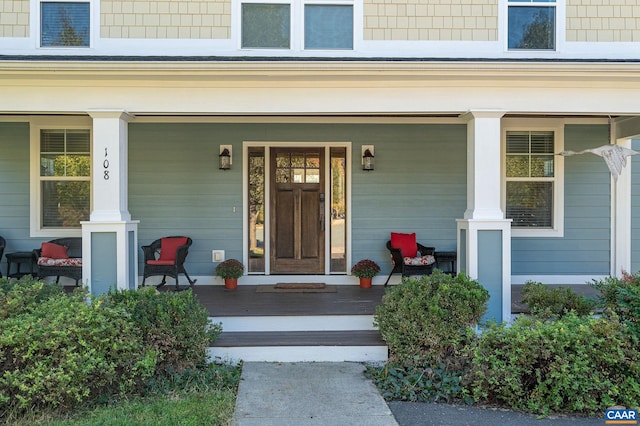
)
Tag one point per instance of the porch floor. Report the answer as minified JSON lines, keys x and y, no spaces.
{"x":347,"y":300}
{"x":246,"y":301}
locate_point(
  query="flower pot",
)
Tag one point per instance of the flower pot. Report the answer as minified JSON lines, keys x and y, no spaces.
{"x":365,"y":282}
{"x":231,"y":283}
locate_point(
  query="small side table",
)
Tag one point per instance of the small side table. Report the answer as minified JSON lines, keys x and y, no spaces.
{"x":447,"y":258}
{"x":18,"y":258}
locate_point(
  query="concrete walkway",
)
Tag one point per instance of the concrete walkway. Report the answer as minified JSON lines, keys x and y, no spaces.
{"x":299,"y":394}
{"x":338,"y":394}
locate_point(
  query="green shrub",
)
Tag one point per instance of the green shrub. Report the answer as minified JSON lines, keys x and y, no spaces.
{"x":429,"y":321}
{"x":547,"y":303}
{"x":59,"y":351}
{"x":17,"y":296}
{"x":174,"y":324}
{"x":417,"y":383}
{"x":573,"y":364}
{"x":622,"y":296}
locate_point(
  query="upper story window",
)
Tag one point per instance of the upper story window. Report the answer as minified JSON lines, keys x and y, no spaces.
{"x":64,"y":24}
{"x":328,"y":26}
{"x":323,"y":25}
{"x":532,"y":24}
{"x":266,"y":25}
{"x":533,"y":191}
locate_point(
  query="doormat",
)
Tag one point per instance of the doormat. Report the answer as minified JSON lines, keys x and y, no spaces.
{"x":296,"y":288}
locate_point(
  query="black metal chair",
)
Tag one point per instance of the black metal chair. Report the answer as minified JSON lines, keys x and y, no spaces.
{"x":166,"y":257}
{"x":70,"y":267}
{"x":399,"y":265}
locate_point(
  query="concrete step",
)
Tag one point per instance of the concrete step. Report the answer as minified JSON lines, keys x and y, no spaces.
{"x":300,"y":346}
{"x":295,"y":323}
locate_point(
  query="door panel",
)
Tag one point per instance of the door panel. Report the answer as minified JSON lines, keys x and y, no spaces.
{"x":285,"y":223}
{"x":310,"y":224}
{"x":297,"y":203}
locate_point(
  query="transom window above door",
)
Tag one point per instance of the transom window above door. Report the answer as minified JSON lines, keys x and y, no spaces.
{"x":297,"y":25}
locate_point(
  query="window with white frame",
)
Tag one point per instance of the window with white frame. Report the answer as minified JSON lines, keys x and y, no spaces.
{"x":533,"y":184}
{"x":61,"y":186}
{"x":275,"y":25}
{"x":65,"y":24}
{"x":532,"y":24}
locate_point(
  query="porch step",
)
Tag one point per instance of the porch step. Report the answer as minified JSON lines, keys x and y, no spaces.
{"x":300,"y":346}
{"x":295,"y":323}
{"x":291,"y":327}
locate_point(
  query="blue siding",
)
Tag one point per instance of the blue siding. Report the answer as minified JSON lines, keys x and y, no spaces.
{"x":175,"y":188}
{"x":635,"y":208}
{"x":103,"y":263}
{"x":490,"y":271}
{"x":132,"y":264}
{"x":585,"y":247}
{"x":419,"y":184}
{"x":14,"y":188}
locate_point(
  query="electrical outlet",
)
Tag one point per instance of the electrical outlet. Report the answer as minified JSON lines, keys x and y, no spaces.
{"x":217,"y":255}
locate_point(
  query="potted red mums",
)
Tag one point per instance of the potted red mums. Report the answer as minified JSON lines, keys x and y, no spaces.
{"x":230,"y":270}
{"x":365,"y":269}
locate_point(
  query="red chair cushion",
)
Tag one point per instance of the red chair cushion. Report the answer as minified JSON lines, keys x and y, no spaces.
{"x":54,"y":251}
{"x":161,"y":262}
{"x":169,"y":246}
{"x":406,"y":243}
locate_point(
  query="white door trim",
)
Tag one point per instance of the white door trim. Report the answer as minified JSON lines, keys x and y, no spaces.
{"x":245,"y":210}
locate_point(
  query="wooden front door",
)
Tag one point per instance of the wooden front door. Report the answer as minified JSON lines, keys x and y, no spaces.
{"x":297,"y":211}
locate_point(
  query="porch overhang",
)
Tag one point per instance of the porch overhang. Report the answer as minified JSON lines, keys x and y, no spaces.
{"x":270,"y":87}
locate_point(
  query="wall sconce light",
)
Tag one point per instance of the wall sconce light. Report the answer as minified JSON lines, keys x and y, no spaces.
{"x":225,"y":157}
{"x":368,"y":162}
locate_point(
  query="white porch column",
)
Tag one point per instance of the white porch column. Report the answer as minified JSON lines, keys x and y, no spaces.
{"x":110,"y":237}
{"x":622,"y":131}
{"x":621,"y":218}
{"x":484,"y":235}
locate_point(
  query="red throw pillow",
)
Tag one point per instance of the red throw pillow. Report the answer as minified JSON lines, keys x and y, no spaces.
{"x":169,"y":246}
{"x":54,"y":251}
{"x":406,"y":243}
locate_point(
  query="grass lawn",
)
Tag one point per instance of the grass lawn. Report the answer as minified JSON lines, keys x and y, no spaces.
{"x":209,"y":408}
{"x":205,"y":397}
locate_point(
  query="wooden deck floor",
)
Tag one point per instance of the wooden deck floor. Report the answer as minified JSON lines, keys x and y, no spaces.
{"x":246,"y":301}
{"x":347,"y":300}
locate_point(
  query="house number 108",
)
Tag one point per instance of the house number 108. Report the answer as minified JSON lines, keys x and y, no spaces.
{"x":105,"y":164}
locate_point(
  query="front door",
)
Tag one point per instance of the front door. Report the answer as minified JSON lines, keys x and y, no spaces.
{"x":297,"y":211}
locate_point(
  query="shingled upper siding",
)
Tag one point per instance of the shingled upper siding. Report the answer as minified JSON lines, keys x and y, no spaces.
{"x":203,"y":19}
{"x":603,"y":20}
{"x":437,"y":20}
{"x":14,"y":18}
